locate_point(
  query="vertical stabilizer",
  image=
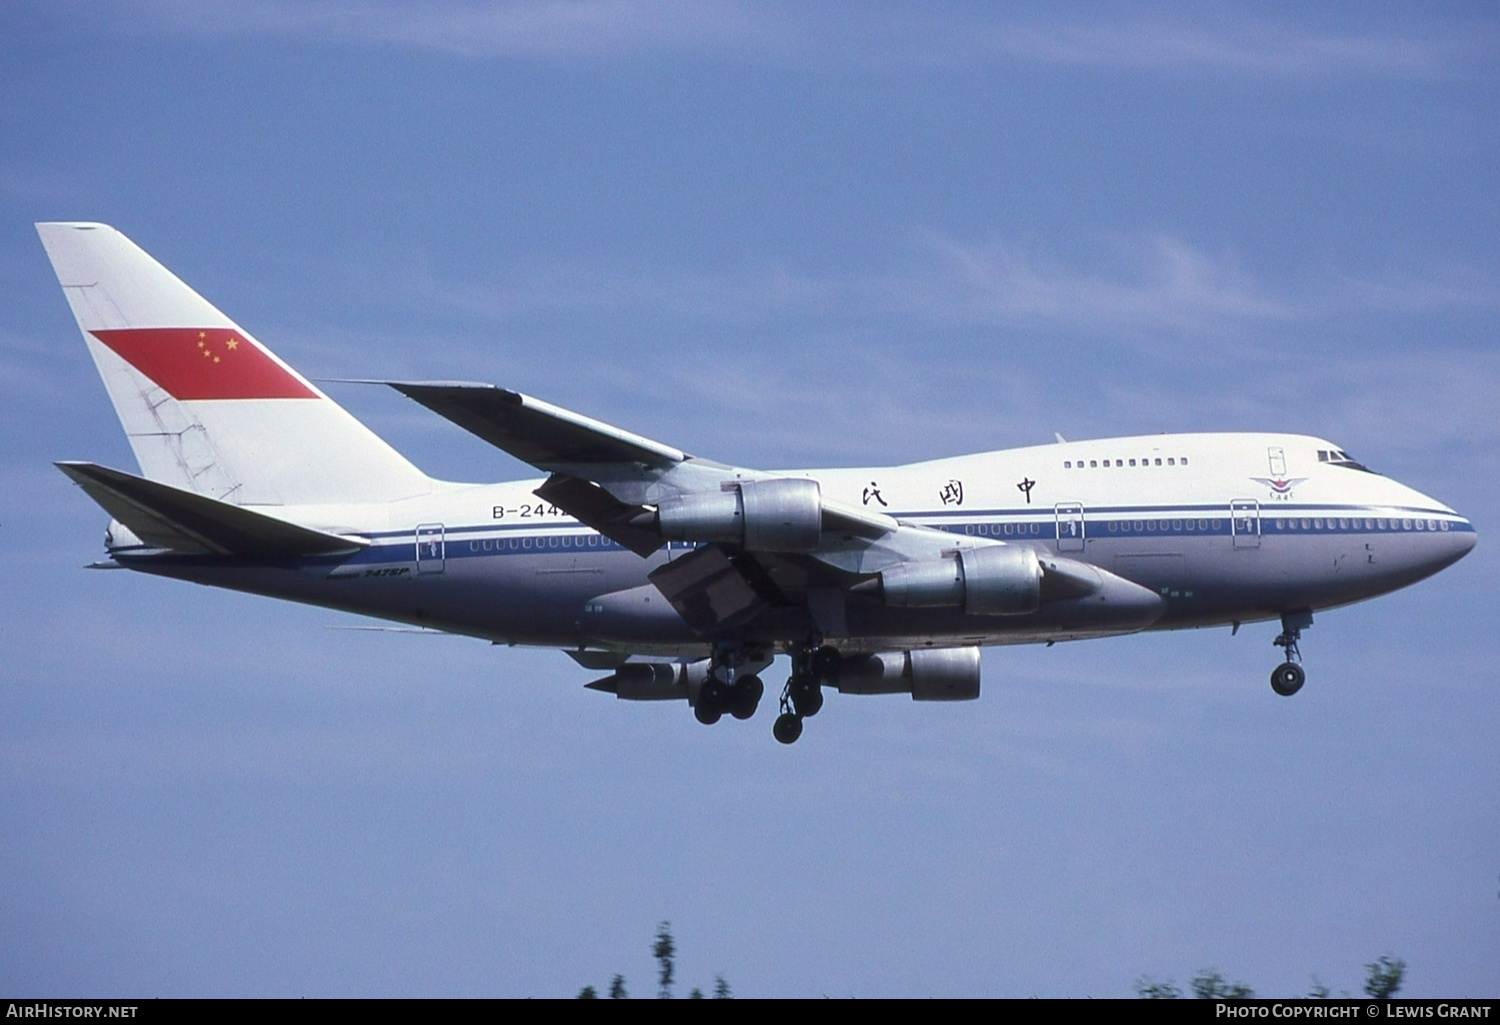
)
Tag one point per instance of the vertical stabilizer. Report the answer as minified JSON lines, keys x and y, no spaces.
{"x":206,"y":407}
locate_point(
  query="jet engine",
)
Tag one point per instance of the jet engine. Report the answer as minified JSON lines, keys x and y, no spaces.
{"x":782,"y":515}
{"x":928,"y":674}
{"x":654,"y":681}
{"x":999,"y":580}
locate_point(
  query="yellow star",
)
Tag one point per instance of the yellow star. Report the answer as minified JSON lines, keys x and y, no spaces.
{"x":200,"y":340}
{"x":200,"y":334}
{"x":233,"y":343}
{"x":207,"y":353}
{"x":216,"y":359}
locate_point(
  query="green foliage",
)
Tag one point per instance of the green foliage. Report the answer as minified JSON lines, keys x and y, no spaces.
{"x":1148,"y":988}
{"x":1208,"y":984}
{"x":1383,"y":976}
{"x":664,"y":950}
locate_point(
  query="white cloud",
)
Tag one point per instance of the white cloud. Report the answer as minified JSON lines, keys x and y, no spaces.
{"x":958,"y":344}
{"x":864,"y":36}
{"x":534,"y":28}
{"x":1231,"y":46}
{"x":1131,"y":286}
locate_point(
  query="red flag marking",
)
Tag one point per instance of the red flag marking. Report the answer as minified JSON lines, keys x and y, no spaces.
{"x":204,"y":363}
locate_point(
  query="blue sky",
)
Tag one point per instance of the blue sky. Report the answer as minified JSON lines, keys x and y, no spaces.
{"x":777,"y":235}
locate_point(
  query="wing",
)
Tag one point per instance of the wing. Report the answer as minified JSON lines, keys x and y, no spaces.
{"x":633,"y":470}
{"x":764,"y":545}
{"x":537,"y":432}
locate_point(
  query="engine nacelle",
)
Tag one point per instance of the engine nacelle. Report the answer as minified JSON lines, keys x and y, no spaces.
{"x":999,"y":580}
{"x":928,"y":674}
{"x":654,"y":681}
{"x":784,"y":515}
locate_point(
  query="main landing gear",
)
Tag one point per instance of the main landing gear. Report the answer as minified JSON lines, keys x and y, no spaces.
{"x":812,"y":667}
{"x":731,"y":686}
{"x":1288,"y":678}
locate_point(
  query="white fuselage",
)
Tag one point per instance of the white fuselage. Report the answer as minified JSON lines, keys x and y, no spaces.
{"x":1223,"y":527}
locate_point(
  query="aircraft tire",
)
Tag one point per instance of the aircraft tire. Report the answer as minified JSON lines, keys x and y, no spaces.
{"x":788,"y":727}
{"x":807,"y":698}
{"x":711,"y":701}
{"x":744,"y":698}
{"x":1287,"y":679}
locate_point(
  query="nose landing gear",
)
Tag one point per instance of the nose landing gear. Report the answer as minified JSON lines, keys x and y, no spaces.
{"x":1288,"y":678}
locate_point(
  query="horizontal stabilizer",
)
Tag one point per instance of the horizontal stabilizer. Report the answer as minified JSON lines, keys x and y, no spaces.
{"x":536,"y":432}
{"x":168,"y":517}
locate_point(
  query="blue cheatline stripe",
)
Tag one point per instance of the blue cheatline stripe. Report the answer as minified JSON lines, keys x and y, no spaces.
{"x":1041,"y":516}
{"x":1099,"y":524}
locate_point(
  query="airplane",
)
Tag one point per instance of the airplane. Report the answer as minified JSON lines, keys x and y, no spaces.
{"x":685,"y":578}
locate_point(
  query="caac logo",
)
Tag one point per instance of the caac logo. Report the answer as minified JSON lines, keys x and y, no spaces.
{"x":1281,"y":487}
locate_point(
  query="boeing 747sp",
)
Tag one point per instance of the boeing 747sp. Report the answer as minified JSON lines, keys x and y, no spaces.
{"x":683,"y":578}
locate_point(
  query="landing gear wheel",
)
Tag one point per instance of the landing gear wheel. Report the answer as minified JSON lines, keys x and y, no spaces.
{"x":1287,"y":679}
{"x":710,"y":706}
{"x":744,"y":698}
{"x":788,"y":727}
{"x":807,"y":697}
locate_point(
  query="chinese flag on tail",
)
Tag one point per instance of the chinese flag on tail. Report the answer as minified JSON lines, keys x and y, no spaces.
{"x":204,"y":363}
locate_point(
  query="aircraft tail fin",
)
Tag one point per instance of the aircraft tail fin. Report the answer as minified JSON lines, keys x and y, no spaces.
{"x":166,"y":517}
{"x":206,"y":407}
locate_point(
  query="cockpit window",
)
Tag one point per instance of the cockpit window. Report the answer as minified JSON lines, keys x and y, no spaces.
{"x":1338,"y":457}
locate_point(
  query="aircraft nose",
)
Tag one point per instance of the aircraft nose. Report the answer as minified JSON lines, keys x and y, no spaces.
{"x":1464,"y":536}
{"x":1456,"y":540}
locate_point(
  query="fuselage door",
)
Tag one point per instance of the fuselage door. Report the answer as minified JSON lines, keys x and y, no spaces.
{"x":1276,"y":459}
{"x":1244,"y":522}
{"x":1069,"y":527}
{"x":431,"y":550}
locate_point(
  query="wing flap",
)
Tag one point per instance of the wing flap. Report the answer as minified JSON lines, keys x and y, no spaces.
{"x":184,"y":521}
{"x":708,"y":590}
{"x":594,"y":507}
